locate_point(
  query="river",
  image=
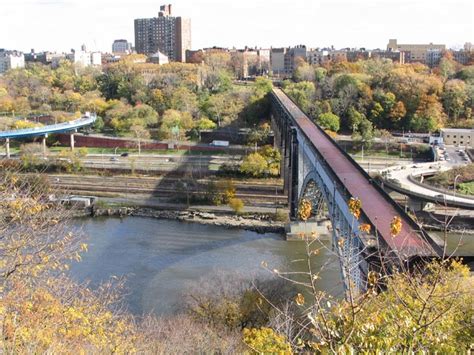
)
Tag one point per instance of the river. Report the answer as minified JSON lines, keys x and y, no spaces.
{"x":161,"y":258}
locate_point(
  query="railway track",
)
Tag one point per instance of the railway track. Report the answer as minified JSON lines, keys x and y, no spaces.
{"x":163,"y":187}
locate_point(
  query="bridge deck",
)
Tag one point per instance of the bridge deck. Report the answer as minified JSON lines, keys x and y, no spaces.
{"x":375,"y":206}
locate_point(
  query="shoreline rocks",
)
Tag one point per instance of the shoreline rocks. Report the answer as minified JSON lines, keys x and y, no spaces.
{"x":255,"y":223}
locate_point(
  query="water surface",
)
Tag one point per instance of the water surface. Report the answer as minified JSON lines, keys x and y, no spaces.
{"x":160,"y":258}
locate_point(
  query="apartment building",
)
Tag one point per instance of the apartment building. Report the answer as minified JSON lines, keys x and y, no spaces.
{"x":11,"y":60}
{"x":165,"y":33}
{"x":423,"y":53}
{"x":277,"y":61}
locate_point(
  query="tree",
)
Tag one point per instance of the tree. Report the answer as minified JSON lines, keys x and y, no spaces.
{"x":429,"y":116}
{"x":184,"y":100}
{"x":30,"y":154}
{"x":302,"y":93}
{"x":139,"y":133}
{"x":42,"y":310}
{"x":262,"y":86}
{"x":98,"y":124}
{"x":273,"y":158}
{"x":265,"y":162}
{"x":364,"y":132}
{"x":447,"y":66}
{"x":205,"y":123}
{"x":224,"y":108}
{"x":398,"y":112}
{"x":254,"y":164}
{"x":173,"y":120}
{"x":354,"y":118}
{"x":304,"y":72}
{"x":454,"y":98}
{"x":329,"y":121}
{"x":386,"y":136}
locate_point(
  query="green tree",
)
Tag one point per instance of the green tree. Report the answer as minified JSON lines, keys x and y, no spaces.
{"x":329,"y":121}
{"x":454,"y":98}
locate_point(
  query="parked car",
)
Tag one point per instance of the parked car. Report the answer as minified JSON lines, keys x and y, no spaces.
{"x":124,"y":155}
{"x":113,"y":159}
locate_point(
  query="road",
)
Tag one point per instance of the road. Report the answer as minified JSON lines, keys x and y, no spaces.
{"x":161,"y":163}
{"x":398,"y":178}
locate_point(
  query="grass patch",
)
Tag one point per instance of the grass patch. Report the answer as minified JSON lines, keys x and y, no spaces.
{"x":446,"y":179}
{"x":466,"y":188}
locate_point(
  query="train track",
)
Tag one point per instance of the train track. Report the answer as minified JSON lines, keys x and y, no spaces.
{"x":163,"y":187}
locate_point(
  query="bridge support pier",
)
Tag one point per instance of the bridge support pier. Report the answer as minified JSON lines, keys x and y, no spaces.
{"x":72,"y":141}
{"x":417,"y":205}
{"x":7,"y":147}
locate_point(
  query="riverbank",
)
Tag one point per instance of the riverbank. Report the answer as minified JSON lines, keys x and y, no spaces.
{"x":260,"y":223}
{"x":435,"y":222}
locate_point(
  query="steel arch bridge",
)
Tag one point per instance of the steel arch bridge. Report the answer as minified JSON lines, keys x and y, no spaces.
{"x":314,"y":167}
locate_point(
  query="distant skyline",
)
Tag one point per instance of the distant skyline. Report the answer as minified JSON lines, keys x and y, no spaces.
{"x":60,"y":25}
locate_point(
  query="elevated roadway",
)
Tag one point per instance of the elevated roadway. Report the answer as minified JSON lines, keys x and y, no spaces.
{"x":43,"y":131}
{"x":404,"y":179}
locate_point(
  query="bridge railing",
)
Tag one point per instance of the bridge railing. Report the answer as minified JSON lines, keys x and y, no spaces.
{"x":413,"y":225}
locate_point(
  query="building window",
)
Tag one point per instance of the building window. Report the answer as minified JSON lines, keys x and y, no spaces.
{"x":454,"y":142}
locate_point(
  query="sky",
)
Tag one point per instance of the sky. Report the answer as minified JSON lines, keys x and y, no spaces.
{"x":59,"y":25}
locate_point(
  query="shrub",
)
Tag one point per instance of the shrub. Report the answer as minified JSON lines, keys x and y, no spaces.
{"x":266,"y":341}
{"x":281,"y":215}
{"x":237,"y":205}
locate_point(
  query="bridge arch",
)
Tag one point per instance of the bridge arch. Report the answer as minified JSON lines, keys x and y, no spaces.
{"x":314,"y":190}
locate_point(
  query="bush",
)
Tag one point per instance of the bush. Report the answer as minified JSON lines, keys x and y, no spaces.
{"x":266,"y":341}
{"x":237,"y":205}
{"x":281,"y":215}
{"x":254,"y":164}
{"x":232,"y":301}
{"x":329,"y":121}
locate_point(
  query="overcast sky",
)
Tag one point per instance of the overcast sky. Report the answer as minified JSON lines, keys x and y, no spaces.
{"x":64,"y":24}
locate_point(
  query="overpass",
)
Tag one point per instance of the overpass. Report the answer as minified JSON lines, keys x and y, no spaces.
{"x":406,"y":180}
{"x":317,"y":169}
{"x":43,"y":131}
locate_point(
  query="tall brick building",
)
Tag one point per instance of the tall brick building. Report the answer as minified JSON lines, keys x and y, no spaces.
{"x":165,"y":33}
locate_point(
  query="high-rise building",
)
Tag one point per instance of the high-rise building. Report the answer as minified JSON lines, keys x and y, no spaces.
{"x":165,"y":33}
{"x":121,"y":46}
